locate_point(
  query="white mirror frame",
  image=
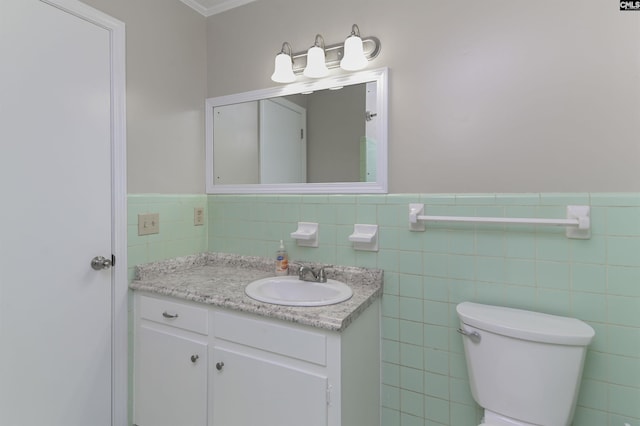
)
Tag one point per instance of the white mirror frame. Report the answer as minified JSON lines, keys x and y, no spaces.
{"x":379,"y":186}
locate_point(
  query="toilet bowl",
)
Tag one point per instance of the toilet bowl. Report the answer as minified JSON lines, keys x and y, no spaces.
{"x":524,"y":367}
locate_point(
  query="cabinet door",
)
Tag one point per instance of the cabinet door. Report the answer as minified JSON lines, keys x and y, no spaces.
{"x":170,"y":381}
{"x":251,"y":390}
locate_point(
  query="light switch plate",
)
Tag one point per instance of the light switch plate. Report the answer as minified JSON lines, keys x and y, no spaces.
{"x":148,"y":223}
{"x":198,"y":216}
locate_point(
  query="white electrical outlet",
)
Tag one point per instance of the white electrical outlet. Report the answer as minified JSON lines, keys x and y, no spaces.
{"x":148,"y":223}
{"x":198,"y":216}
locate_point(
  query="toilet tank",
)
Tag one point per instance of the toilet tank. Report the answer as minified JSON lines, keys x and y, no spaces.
{"x":525,"y":365}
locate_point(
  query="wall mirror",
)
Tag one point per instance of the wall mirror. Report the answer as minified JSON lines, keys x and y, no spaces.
{"x":322,"y":136}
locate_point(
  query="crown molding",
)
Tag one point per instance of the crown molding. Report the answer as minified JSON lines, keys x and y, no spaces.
{"x":222,"y":6}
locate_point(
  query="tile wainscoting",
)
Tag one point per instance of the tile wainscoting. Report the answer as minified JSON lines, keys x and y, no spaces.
{"x":428,"y":273}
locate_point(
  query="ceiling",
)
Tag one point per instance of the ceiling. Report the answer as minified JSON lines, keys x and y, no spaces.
{"x":211,"y":7}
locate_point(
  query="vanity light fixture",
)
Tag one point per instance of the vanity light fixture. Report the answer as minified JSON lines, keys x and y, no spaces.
{"x":316,"y":62}
{"x":283,"y":70}
{"x":352,"y":55}
{"x":354,"y":58}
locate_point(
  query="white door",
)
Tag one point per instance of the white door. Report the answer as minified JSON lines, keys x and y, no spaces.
{"x":57,"y":113}
{"x":283,"y":142}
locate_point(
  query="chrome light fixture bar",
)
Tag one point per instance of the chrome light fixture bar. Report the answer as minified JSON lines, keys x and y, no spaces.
{"x":334,"y":54}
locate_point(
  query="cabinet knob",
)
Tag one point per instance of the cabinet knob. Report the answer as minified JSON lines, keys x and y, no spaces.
{"x":194,"y":358}
{"x":168,"y":315}
{"x":219,"y":366}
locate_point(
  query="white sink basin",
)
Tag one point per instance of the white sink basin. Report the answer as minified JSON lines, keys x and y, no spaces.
{"x":291,"y":291}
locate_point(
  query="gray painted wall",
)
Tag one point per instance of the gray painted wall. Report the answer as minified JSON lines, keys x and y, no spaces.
{"x":335,"y":125}
{"x":166,"y":87}
{"x":491,"y":96}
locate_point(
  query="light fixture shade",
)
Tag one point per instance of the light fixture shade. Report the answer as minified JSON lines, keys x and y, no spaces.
{"x":354,"y":58}
{"x":283,"y":69}
{"x":316,"y":66}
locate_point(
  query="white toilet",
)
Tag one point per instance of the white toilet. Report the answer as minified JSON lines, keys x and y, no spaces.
{"x":524,"y":367}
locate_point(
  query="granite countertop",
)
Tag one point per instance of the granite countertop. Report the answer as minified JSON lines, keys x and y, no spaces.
{"x":219,"y":279}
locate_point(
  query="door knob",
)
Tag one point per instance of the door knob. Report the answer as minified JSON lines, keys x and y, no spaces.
{"x":100,"y":262}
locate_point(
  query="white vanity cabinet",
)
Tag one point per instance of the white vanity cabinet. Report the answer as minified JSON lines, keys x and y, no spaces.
{"x":262,"y":371}
{"x":270,"y":373}
{"x":170,"y":363}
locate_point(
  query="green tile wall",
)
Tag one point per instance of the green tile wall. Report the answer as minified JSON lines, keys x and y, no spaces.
{"x":177,"y":237}
{"x":428,"y":273}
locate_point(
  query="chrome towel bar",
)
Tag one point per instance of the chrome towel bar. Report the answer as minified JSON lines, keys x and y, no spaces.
{"x":578,"y":221}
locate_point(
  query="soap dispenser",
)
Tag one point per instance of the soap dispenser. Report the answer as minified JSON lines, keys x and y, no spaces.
{"x":282,"y":260}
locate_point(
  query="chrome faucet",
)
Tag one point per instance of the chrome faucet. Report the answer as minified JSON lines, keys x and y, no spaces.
{"x":320,"y":277}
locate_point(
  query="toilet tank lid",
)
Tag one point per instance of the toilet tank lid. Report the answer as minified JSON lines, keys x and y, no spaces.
{"x":527,"y":325}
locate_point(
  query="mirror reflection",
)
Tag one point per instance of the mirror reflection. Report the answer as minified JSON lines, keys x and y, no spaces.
{"x":299,"y":141}
{"x":315,"y":137}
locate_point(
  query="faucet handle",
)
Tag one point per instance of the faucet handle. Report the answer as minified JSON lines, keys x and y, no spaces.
{"x":322,"y":275}
{"x":302,"y":272}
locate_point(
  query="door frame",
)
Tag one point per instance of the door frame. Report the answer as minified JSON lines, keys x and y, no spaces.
{"x":119,"y":286}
